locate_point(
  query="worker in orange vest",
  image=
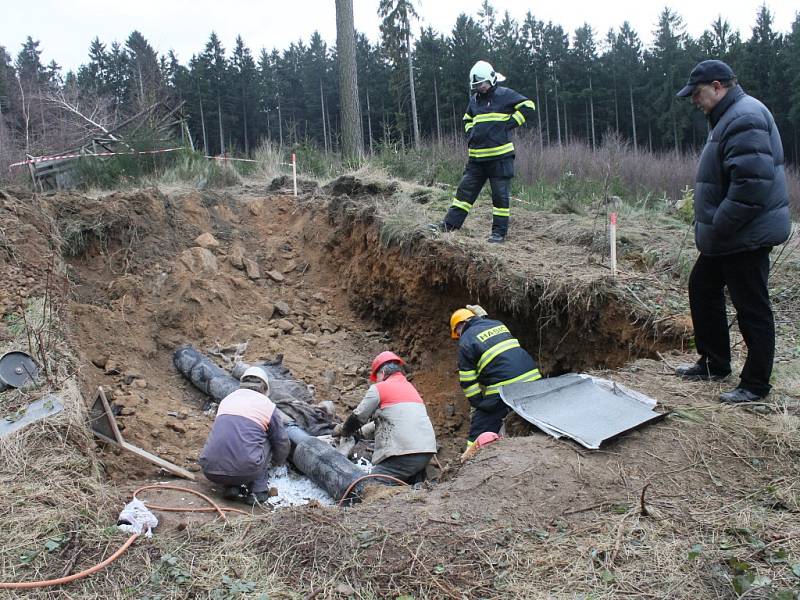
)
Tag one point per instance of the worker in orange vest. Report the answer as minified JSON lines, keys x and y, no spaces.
{"x":404,"y":438}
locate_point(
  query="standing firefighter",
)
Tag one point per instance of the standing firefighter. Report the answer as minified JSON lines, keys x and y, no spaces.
{"x":492,"y":114}
{"x":246,"y":436}
{"x":489,"y":357}
{"x":404,"y":437}
{"x":741,"y":209}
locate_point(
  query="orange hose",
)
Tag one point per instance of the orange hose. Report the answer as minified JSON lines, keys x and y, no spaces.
{"x":220,"y":509}
{"x":369,"y":476}
{"x":36,"y":584}
{"x":86,"y":572}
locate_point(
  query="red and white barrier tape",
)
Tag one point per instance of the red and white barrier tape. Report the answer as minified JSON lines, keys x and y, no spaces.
{"x":42,"y":159}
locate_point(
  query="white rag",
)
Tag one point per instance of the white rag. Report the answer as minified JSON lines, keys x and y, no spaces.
{"x":136,"y":518}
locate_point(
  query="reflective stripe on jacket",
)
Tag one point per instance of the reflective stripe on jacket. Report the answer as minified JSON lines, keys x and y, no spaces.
{"x":489,"y":357}
{"x":489,"y":119}
{"x":402,"y":425}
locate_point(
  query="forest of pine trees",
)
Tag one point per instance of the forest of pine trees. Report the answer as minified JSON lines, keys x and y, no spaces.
{"x":586,"y":84}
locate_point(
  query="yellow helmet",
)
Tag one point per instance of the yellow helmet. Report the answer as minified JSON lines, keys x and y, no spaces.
{"x":461,"y":315}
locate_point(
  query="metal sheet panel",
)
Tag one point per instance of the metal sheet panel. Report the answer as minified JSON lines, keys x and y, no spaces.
{"x":576,"y":406}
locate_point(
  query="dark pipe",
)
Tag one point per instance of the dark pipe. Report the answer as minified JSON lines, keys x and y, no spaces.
{"x":204,"y":374}
{"x":316,"y":459}
{"x":323,"y":464}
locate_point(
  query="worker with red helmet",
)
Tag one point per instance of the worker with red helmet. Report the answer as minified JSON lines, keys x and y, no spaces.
{"x":404,"y":437}
{"x":489,"y":357}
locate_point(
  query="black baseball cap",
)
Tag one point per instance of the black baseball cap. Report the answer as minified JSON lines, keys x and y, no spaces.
{"x":706,"y":72}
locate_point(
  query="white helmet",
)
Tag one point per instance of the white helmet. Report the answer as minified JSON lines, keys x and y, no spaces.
{"x":482,"y":71}
{"x":257,"y":373}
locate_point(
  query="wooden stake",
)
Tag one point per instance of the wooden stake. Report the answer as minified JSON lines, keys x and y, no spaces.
{"x":612,"y":233}
{"x":294,"y":172}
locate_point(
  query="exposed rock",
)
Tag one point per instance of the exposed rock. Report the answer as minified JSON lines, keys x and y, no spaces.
{"x":251,"y":266}
{"x":276,"y":276}
{"x":236,"y":257}
{"x":285,"y":325}
{"x":100,"y":361}
{"x":178,"y":427}
{"x":111,"y":367}
{"x":283,"y":308}
{"x":207,"y":241}
{"x":199,"y":261}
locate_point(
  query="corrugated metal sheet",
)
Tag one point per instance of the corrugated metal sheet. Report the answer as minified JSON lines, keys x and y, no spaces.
{"x":580,"y":407}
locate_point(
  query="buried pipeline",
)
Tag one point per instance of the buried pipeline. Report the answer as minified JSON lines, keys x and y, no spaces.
{"x":313,"y":457}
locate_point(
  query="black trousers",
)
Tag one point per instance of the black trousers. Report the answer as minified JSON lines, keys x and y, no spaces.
{"x":499,"y":173}
{"x":406,"y":467}
{"x":745,"y":275}
{"x":487,"y":420}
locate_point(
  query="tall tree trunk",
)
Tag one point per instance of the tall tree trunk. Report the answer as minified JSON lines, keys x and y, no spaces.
{"x":352,"y":133}
{"x":616,"y":105}
{"x":202,"y":117}
{"x":547,"y":117}
{"x":633,"y":119}
{"x":413,"y":93}
{"x":280,"y":126}
{"x":330,"y":128}
{"x":244,"y":124}
{"x":369,"y":123}
{"x":591,"y":112}
{"x":558,"y":116}
{"x":322,"y":108}
{"x":436,"y":104}
{"x":675,"y":133}
{"x":539,"y":113}
{"x":455,"y":123}
{"x":566,"y":124}
{"x":221,"y":133}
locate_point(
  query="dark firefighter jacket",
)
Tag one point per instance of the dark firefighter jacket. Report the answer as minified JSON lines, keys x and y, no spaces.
{"x":489,"y":119}
{"x":489,"y":357}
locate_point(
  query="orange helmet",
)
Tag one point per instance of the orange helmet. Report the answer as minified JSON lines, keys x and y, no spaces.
{"x":382,"y":359}
{"x":461,"y":315}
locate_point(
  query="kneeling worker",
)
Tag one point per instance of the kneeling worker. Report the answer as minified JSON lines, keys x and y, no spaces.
{"x":404,"y":437}
{"x":246,"y":434}
{"x":489,"y":357}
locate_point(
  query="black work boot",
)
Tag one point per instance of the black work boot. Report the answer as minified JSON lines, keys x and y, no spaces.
{"x":739,"y":395}
{"x":440,"y":227}
{"x":701,"y":371}
{"x":231,"y":492}
{"x":256,"y":498}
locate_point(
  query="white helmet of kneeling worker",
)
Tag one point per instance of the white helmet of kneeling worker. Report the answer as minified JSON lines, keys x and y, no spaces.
{"x":482,"y":71}
{"x":258,"y":373}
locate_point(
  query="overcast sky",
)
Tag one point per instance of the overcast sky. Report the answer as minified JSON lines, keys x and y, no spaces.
{"x":66,"y":27}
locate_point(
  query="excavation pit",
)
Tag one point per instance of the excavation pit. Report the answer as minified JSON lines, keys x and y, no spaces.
{"x":328,"y":282}
{"x":313,"y":280}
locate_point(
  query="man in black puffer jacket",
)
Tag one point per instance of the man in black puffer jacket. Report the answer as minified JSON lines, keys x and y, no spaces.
{"x":741,"y":209}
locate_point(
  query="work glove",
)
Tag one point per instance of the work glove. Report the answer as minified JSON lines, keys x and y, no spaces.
{"x":477,"y":309}
{"x":350,"y":426}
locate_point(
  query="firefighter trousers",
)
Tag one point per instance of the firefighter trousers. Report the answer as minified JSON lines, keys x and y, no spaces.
{"x":499,"y":173}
